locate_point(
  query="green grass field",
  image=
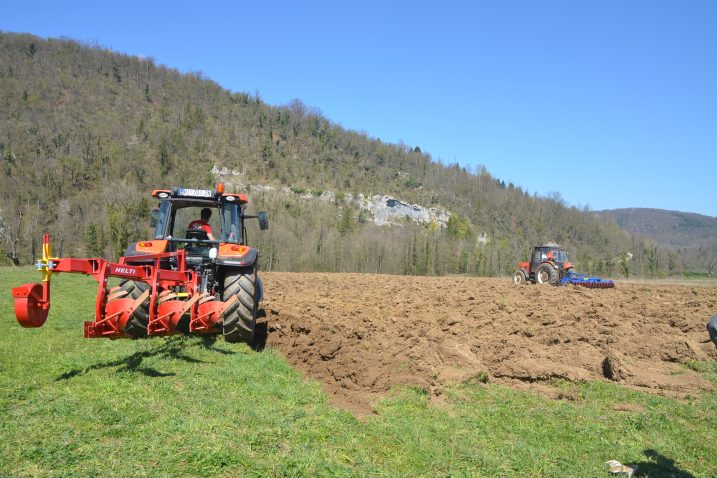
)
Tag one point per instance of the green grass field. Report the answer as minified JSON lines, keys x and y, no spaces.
{"x":185,"y":406}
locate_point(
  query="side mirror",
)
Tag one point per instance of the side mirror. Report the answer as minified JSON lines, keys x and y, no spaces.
{"x":263,"y":220}
{"x":153,"y":217}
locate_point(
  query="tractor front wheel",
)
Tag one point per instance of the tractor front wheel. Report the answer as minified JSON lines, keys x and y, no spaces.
{"x":240,"y":319}
{"x":519,"y":277}
{"x":547,"y":274}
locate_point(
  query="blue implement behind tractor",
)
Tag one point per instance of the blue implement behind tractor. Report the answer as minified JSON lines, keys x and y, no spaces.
{"x":575,"y":278}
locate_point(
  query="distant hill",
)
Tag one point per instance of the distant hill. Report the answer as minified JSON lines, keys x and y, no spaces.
{"x":669,"y":228}
{"x":86,"y":133}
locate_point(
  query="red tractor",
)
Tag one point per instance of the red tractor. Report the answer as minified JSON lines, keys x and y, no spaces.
{"x":547,"y":265}
{"x":193,"y":276}
{"x":550,"y":265}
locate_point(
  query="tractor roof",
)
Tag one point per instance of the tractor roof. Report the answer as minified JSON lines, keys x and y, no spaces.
{"x":188,"y":194}
{"x":550,"y":246}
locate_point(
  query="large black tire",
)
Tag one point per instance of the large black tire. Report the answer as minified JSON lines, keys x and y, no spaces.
{"x":547,"y":274}
{"x":519,"y":277}
{"x":240,"y":319}
{"x":137,"y":324}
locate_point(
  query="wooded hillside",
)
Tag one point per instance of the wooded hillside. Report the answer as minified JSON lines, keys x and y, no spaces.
{"x":694,"y":236}
{"x":669,"y":228}
{"x":86,"y":133}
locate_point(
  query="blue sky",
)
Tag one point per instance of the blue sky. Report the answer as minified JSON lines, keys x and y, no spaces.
{"x":610,"y":103}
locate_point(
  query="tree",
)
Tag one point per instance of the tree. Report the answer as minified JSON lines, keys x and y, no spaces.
{"x":653,"y":261}
{"x":347,"y":223}
{"x":457,"y":227}
{"x":624,"y":265}
{"x":10,"y":239}
{"x":463,"y":261}
{"x":711,"y":264}
{"x":165,"y":163}
{"x":95,"y":242}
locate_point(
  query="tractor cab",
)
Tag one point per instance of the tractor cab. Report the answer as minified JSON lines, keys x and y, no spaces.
{"x":205,"y":223}
{"x":181,"y":216}
{"x":541,"y":254}
{"x":199,"y":225}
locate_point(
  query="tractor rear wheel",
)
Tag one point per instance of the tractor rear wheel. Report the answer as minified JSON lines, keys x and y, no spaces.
{"x":137,"y":323}
{"x":240,"y":319}
{"x":547,"y":274}
{"x":519,"y":277}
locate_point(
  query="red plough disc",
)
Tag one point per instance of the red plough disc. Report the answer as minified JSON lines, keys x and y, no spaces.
{"x":171,"y":312}
{"x":118,"y":313}
{"x":29,"y":309}
{"x":210,"y":313}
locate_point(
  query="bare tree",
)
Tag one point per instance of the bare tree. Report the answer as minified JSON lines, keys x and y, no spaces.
{"x":10,"y":239}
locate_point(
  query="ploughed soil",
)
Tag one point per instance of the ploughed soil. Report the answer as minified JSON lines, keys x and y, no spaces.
{"x":362,"y":334}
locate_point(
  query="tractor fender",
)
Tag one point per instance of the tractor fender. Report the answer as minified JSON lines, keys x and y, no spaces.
{"x":234,"y":255}
{"x":146,"y":247}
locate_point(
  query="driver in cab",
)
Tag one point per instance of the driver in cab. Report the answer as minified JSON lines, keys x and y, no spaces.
{"x":203,"y":223}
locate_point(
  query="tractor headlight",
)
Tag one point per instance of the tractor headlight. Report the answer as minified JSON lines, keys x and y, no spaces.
{"x":213,"y":252}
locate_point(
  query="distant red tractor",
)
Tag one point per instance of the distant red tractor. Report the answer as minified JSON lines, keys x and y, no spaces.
{"x":550,"y":265}
{"x":547,"y":265}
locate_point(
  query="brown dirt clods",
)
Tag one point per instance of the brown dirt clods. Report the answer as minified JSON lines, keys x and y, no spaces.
{"x":361,"y":334}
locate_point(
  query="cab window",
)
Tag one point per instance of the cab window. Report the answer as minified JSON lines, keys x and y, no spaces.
{"x":231,"y":226}
{"x":183,"y":217}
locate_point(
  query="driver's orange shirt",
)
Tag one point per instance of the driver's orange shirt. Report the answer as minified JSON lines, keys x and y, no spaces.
{"x":200,"y":224}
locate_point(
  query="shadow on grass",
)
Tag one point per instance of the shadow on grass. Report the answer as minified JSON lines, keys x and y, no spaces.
{"x":173,"y":348}
{"x":659,"y":466}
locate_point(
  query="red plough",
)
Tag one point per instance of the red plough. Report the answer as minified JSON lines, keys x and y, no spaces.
{"x":172,"y":294}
